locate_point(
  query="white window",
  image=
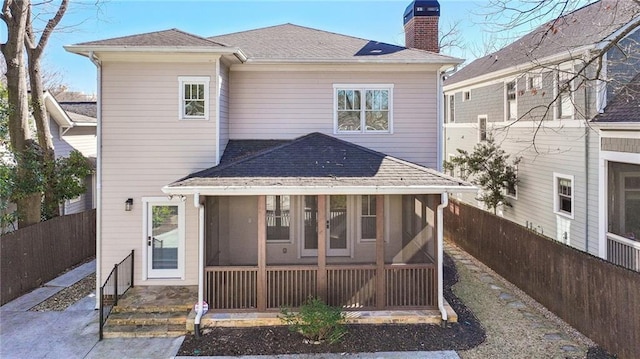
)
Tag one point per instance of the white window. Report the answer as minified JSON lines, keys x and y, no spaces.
{"x":563,"y":200}
{"x":194,"y":98}
{"x":534,"y":81}
{"x":565,"y":93}
{"x":512,"y":105}
{"x":482,"y":128}
{"x":278,"y":219}
{"x":368,"y":218}
{"x":452,"y":100}
{"x":363,"y":109}
{"x":466,"y":96}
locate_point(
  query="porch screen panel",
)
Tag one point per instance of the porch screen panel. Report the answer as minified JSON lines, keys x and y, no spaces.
{"x":310,"y":222}
{"x":338,"y":222}
{"x":165,"y":237}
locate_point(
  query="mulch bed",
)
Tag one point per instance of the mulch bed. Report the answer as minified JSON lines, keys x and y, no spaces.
{"x":465,"y":334}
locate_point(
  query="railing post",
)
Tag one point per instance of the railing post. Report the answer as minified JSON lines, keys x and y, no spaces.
{"x":132,"y":268}
{"x":115,"y":285}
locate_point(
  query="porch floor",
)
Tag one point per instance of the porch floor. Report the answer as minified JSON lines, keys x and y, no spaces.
{"x":150,"y":299}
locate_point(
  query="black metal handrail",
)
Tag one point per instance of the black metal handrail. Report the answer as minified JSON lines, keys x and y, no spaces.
{"x":117,"y":283}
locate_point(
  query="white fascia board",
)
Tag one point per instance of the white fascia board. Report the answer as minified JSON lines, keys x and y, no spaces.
{"x":57,"y":113}
{"x":85,"y":124}
{"x":313,"y":190}
{"x":616,"y":125}
{"x":86,"y":50}
{"x":442,"y":62}
{"x":545,"y":61}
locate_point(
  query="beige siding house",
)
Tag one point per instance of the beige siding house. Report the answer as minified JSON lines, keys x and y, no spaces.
{"x":271,"y":165}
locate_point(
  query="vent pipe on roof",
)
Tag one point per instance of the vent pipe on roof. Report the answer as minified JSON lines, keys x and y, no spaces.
{"x":421,"y":25}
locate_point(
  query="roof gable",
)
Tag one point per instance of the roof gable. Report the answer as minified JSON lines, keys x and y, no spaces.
{"x":318,"y":160}
{"x":295,"y":43}
{"x":171,"y":37}
{"x":588,"y":25}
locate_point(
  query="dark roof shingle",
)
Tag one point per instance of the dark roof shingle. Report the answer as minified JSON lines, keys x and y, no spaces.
{"x":85,"y":111}
{"x":625,"y":107}
{"x":586,"y":26}
{"x":318,"y":160}
{"x":171,"y":37}
{"x":294,"y":42}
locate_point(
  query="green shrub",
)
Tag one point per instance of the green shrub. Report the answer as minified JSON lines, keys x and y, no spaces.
{"x":316,"y":321}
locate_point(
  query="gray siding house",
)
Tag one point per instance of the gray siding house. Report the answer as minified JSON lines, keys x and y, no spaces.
{"x":536,"y":97}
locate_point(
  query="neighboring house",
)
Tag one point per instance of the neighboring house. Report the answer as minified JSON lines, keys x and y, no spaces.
{"x":619,"y":164}
{"x":73,"y":127}
{"x":281,"y":157}
{"x":518,"y":96}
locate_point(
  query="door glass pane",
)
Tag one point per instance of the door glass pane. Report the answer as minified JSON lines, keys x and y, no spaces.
{"x":338,"y":222}
{"x":165,"y":237}
{"x":310,"y":222}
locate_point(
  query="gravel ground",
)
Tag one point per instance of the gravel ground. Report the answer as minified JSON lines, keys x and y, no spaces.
{"x":516,"y":325}
{"x":66,"y":297}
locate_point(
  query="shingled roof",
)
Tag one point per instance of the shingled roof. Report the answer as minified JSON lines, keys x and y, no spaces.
{"x":321,"y":163}
{"x":85,"y":111}
{"x":293,"y":42}
{"x":588,"y":25}
{"x":625,"y":107}
{"x":171,"y":37}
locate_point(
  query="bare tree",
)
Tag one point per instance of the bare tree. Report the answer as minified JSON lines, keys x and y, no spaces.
{"x":15,"y":15}
{"x":35,"y":49}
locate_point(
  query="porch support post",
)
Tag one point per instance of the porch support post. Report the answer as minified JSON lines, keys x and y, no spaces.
{"x":261,"y":286}
{"x":322,"y":248}
{"x":380,"y":277}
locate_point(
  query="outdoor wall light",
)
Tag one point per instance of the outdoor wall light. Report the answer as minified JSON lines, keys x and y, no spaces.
{"x":128,"y":204}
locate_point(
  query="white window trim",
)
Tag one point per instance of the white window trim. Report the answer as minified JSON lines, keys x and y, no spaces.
{"x":451,"y":119}
{"x":361,"y":87}
{"x":464,"y":95}
{"x":486,"y":128}
{"x":558,"y":104}
{"x":182,"y":80}
{"x":534,"y":76}
{"x":386,"y":221}
{"x":556,"y":202}
{"x":180,"y":272}
{"x":506,"y":100}
{"x":292,"y":219}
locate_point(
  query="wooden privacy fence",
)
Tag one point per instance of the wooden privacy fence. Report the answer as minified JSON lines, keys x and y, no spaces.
{"x":36,"y":254}
{"x":598,"y":298}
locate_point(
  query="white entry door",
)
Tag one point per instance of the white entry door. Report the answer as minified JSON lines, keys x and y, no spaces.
{"x":164,"y":238}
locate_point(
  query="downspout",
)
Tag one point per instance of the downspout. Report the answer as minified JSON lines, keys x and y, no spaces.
{"x":200,"y":207}
{"x":440,"y":119}
{"x":444,"y":202}
{"x":96,"y":62}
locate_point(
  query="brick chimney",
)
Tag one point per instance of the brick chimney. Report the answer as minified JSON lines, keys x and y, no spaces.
{"x":421,"y":25}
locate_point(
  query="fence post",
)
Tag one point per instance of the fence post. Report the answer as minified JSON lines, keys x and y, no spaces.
{"x":132,"y":267}
{"x":115,"y":285}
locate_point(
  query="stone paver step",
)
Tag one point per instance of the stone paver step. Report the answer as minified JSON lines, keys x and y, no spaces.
{"x":144,"y":318}
{"x":145,"y":331}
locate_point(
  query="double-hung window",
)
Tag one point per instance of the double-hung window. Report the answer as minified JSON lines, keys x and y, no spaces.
{"x":368,"y":218}
{"x":194,"y":98}
{"x":363,"y":109}
{"x":512,"y":105}
{"x":563,"y":195}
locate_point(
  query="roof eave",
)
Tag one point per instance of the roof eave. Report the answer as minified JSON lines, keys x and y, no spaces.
{"x":312,"y":190}
{"x":531,"y":65}
{"x":630,"y":125}
{"x":281,"y":61}
{"x":86,"y":50}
